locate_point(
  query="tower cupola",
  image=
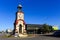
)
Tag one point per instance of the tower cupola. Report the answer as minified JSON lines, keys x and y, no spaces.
{"x":19,"y":7}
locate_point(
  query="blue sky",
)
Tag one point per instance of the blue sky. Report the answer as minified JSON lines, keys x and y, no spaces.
{"x":35,"y":12}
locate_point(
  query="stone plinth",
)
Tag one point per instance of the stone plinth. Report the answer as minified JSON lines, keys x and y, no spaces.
{"x":23,"y":35}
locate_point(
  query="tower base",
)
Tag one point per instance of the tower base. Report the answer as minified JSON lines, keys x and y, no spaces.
{"x":23,"y":35}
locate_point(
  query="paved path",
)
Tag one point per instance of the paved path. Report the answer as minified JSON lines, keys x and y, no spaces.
{"x":40,"y":37}
{"x":34,"y":38}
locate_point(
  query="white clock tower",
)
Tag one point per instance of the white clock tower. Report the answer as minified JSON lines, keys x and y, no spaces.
{"x":19,"y":25}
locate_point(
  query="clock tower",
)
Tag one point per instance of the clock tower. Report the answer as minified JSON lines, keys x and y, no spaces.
{"x":19,"y":25}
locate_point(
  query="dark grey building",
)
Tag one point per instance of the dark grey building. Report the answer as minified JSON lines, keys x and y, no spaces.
{"x":33,"y":28}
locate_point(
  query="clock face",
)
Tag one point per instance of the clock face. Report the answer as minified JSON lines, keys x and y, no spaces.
{"x":20,"y":15}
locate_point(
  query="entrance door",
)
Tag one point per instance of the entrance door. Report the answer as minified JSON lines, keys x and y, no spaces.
{"x":20,"y":28}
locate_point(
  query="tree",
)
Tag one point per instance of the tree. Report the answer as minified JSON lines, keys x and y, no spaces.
{"x":47,"y":28}
{"x":51,"y":28}
{"x":6,"y":31}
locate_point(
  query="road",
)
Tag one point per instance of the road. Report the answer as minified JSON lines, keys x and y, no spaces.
{"x":40,"y":37}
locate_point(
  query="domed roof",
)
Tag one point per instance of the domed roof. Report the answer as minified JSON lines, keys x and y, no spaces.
{"x":19,"y":6}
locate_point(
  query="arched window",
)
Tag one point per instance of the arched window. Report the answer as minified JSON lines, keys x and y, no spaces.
{"x":20,"y":28}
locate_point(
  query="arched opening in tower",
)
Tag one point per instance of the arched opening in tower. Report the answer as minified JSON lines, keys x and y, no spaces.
{"x":20,"y":28}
